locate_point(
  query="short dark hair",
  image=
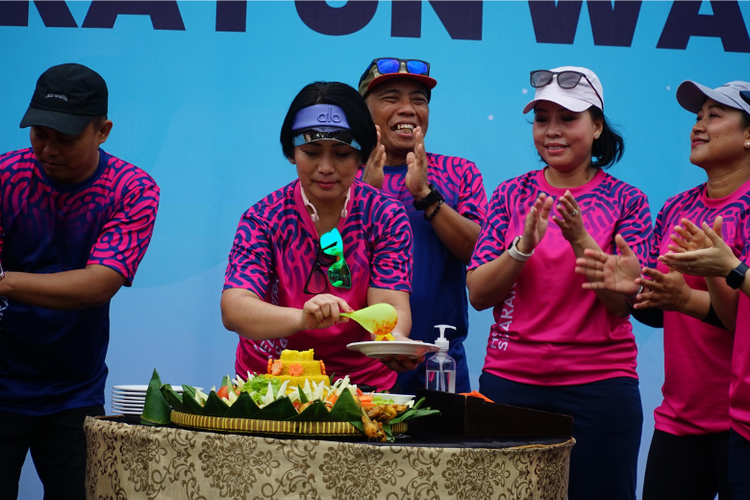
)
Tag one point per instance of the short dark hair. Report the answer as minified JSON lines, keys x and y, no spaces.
{"x":610,"y":146}
{"x":343,"y":96}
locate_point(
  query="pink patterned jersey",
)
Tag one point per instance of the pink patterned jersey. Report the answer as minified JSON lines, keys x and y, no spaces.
{"x":54,"y":360}
{"x":274,"y":251}
{"x":739,"y":390}
{"x":697,"y":356}
{"x":548,"y":330}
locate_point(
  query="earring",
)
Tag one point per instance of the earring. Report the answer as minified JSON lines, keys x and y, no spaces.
{"x":596,"y":136}
{"x":747,"y":145}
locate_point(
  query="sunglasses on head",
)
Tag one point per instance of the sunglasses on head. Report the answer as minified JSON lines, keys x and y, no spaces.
{"x":330,"y":254}
{"x":389,"y":65}
{"x":565,"y":80}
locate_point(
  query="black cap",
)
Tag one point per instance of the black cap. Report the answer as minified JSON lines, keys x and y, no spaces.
{"x":67,"y":97}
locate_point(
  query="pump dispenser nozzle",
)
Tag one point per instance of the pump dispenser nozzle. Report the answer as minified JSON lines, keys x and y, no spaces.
{"x":441,"y":341}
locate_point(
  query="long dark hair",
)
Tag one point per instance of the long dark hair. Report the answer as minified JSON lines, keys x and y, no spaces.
{"x":343,"y":96}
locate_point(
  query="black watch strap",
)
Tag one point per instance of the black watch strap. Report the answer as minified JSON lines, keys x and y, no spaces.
{"x":428,"y":200}
{"x":737,"y":275}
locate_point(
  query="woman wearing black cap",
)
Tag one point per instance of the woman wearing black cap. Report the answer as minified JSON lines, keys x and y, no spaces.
{"x":326,"y":243}
{"x":688,"y":454}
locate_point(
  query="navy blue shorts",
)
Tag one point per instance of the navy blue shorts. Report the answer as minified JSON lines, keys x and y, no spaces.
{"x":607,"y":423}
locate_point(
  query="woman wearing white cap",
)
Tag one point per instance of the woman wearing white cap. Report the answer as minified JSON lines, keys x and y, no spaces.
{"x":688,"y":454}
{"x":555,"y":346}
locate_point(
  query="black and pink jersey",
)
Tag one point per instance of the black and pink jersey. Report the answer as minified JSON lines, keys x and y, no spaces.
{"x":439,"y":295}
{"x":55,"y":360}
{"x":697,"y":355}
{"x":548,"y":330}
{"x":274,"y":251}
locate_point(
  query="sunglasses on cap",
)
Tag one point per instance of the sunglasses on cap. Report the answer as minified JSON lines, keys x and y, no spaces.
{"x":565,"y":80}
{"x":330,"y":254}
{"x":390,"y":65}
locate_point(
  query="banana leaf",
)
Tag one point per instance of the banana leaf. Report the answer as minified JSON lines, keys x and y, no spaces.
{"x":302,"y":395}
{"x":189,"y":390}
{"x":345,"y":409}
{"x":215,"y":406}
{"x":316,"y":412}
{"x":414,"y":412}
{"x":226,"y":381}
{"x":189,"y":403}
{"x":244,"y":407}
{"x":281,"y":409}
{"x":156,"y":409}
{"x":173,"y":398}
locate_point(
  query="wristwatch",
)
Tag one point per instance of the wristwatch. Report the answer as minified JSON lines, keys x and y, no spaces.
{"x":737,"y":275}
{"x":428,"y":200}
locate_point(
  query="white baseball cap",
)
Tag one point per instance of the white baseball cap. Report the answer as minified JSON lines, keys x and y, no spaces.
{"x":587,"y":91}
{"x":692,"y":95}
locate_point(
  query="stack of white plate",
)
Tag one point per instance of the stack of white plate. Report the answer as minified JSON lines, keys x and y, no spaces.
{"x":128,"y":399}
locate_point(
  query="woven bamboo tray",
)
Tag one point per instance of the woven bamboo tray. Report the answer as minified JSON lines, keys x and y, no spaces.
{"x":272,"y":427}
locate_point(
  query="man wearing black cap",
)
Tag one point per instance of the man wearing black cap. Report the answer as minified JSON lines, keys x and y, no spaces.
{"x":75,"y":223}
{"x":444,"y":197}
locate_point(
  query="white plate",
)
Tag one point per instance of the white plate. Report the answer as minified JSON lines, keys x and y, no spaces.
{"x":391,"y":348}
{"x":136,"y":411}
{"x":398,"y":399}
{"x":128,"y":403}
{"x":142,"y":394}
{"x":126,"y":412}
{"x":117,"y":397}
{"x":130,"y":388}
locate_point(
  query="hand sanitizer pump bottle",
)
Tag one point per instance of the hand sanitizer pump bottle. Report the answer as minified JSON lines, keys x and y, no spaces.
{"x":441,"y":368}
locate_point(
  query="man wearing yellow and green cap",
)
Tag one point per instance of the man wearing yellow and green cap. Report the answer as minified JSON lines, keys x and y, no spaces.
{"x":444,"y":197}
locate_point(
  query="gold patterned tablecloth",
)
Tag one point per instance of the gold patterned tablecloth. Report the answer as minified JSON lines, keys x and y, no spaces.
{"x":139,"y":462}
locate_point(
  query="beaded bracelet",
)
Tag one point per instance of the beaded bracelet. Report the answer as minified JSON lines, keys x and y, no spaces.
{"x":437,"y":208}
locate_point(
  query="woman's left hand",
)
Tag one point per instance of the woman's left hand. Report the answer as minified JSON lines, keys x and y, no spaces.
{"x":668,"y":292}
{"x":569,"y":219}
{"x":715,"y":258}
{"x":401,"y":364}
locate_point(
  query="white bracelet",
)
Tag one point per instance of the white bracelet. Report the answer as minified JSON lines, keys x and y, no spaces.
{"x":631,"y":298}
{"x":516,"y":254}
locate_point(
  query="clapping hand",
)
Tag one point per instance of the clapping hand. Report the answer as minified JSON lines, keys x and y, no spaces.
{"x":536,"y":223}
{"x":373,"y":173}
{"x":616,"y":273}
{"x":569,"y":218}
{"x":417,"y":166}
{"x":668,"y":292}
{"x":700,"y":252}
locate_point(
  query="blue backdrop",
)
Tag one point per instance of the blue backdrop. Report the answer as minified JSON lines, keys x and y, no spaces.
{"x":198,"y":91}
